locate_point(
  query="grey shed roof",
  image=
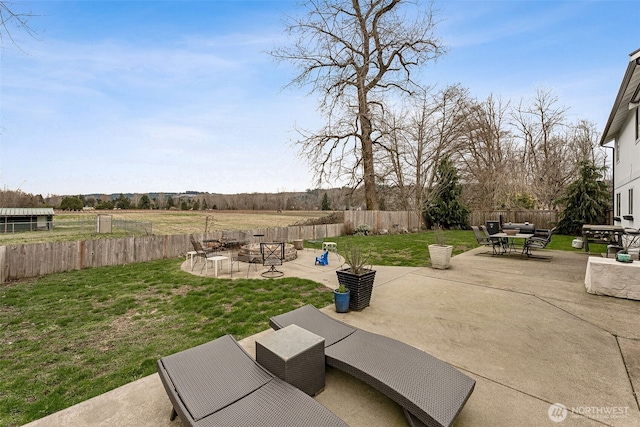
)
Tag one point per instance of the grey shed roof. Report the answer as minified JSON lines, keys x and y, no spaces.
{"x":628,"y":90}
{"x":25,"y":211}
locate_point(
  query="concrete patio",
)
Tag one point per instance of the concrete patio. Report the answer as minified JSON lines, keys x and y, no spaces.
{"x":525,"y":330}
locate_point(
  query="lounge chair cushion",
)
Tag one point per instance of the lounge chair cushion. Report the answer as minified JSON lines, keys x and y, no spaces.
{"x":430,"y":391}
{"x":199,"y":373}
{"x":276,"y":404}
{"x":405,"y":374}
{"x":219,"y":384}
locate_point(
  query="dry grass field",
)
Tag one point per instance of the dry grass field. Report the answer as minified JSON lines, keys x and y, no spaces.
{"x":185,"y":222}
{"x":68,"y":226}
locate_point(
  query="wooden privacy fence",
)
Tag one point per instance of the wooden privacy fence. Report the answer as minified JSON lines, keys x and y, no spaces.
{"x":393,"y":221}
{"x":396,"y":221}
{"x":541,"y":219}
{"x":32,"y":260}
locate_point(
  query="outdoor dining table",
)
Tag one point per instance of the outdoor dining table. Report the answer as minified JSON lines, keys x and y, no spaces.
{"x":511,"y":239}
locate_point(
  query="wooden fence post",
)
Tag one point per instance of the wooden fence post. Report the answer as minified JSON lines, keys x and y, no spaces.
{"x":3,"y":260}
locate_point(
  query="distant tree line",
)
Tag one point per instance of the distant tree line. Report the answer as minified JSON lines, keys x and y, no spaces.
{"x":20,"y":199}
{"x":318,"y":199}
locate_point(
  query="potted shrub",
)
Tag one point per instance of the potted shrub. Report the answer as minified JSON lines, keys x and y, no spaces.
{"x":341,"y":299}
{"x":357,"y":278}
{"x":440,"y":252}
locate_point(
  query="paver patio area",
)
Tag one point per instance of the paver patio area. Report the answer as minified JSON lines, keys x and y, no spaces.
{"x":525,"y":330}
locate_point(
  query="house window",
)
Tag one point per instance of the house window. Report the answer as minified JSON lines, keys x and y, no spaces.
{"x":617,"y":150}
{"x":631,"y":201}
{"x":618,"y":203}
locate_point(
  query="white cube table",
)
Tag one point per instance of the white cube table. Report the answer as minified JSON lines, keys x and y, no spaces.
{"x":294,"y":355}
{"x":190,"y":256}
{"x":215,"y":259}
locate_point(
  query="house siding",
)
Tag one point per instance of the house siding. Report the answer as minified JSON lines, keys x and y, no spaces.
{"x":627,"y":173}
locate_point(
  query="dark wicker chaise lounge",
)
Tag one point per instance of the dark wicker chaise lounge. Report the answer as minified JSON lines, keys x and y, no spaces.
{"x":430,"y":391}
{"x":219,"y":384}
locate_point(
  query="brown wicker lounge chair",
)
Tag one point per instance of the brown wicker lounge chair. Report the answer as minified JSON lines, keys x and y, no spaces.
{"x":430,"y":391}
{"x":219,"y":384}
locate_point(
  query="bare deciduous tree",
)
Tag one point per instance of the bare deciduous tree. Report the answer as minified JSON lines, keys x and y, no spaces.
{"x":487,"y":155}
{"x":19,"y":199}
{"x":11,"y":20}
{"x":545,"y":152}
{"x":583,"y":138}
{"x":415,"y":139}
{"x":354,"y":53}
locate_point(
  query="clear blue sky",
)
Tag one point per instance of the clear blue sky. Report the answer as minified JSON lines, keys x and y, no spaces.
{"x":145,"y":96}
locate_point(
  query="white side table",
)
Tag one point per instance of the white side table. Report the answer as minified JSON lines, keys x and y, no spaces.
{"x":190,"y":255}
{"x":215,"y":259}
{"x":294,"y":355}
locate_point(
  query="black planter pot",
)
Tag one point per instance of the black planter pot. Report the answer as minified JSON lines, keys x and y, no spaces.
{"x":360,"y":287}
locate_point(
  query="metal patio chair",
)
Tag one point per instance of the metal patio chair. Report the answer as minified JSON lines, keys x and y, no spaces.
{"x":272,"y":256}
{"x":540,"y":240}
{"x":487,"y":241}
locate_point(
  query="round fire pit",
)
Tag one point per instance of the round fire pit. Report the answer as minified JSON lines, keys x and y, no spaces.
{"x":253,"y":250}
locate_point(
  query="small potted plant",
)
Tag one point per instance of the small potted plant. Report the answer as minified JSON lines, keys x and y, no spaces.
{"x":440,"y":252}
{"x":357,"y":278}
{"x":341,"y":299}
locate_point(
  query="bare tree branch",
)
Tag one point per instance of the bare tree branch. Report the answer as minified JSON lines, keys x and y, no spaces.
{"x":11,"y":20}
{"x":352,"y":53}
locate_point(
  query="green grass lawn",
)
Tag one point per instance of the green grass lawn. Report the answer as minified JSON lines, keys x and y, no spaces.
{"x":410,"y":249}
{"x":71,"y":336}
{"x":68,"y":337}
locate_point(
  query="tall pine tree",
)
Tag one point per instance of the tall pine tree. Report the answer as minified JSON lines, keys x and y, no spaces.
{"x":585,"y":202}
{"x":326,"y":206}
{"x":445,"y":207}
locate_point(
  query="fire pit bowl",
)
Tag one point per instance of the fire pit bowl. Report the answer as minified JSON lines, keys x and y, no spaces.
{"x":253,"y":250}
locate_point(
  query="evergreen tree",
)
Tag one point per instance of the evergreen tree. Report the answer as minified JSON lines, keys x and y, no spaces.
{"x":122,"y":202}
{"x":445,"y":207}
{"x":71,"y":203}
{"x":585,"y":202}
{"x":326,"y":206}
{"x":108,"y":205}
{"x":145,"y":202}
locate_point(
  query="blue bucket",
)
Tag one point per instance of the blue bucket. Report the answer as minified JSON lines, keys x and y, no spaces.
{"x":342,"y":301}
